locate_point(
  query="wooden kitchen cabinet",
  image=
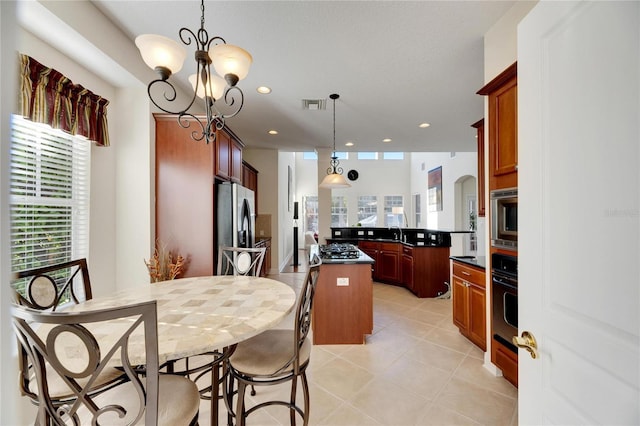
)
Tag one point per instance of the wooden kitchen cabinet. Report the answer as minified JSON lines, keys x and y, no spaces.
{"x":229,"y":156}
{"x":423,"y":270}
{"x":506,"y":360}
{"x":250,"y":180}
{"x":479,"y":126}
{"x":469,"y":302}
{"x":186,"y":173}
{"x":389,"y":262}
{"x":370,"y":248}
{"x":343,"y":314}
{"x":502,"y":94}
{"x":407,"y":267}
{"x":185,"y":198}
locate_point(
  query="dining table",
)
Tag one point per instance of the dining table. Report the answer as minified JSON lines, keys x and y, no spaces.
{"x":199,"y":315}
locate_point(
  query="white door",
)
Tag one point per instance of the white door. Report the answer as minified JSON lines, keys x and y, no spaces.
{"x":579,"y":186}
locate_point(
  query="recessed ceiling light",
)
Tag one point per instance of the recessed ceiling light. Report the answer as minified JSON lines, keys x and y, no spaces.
{"x":424,"y":125}
{"x":264,"y":90}
{"x":386,"y":140}
{"x":273,"y":132}
{"x":349,"y":144}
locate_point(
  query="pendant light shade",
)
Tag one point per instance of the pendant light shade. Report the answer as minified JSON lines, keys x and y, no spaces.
{"x":334,"y":178}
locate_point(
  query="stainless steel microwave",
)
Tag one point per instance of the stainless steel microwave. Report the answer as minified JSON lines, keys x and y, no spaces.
{"x":504,"y":218}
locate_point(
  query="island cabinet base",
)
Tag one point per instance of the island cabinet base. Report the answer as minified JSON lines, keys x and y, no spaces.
{"x":343,"y":304}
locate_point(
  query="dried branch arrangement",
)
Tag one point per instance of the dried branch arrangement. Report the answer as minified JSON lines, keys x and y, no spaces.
{"x":162,"y":265}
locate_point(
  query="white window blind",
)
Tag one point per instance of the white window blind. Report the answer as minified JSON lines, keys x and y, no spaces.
{"x":50,"y":181}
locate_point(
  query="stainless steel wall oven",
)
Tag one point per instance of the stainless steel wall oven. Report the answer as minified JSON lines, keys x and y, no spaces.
{"x":504,"y":290}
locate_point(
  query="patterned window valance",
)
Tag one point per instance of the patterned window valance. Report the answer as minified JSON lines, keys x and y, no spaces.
{"x":49,"y":97}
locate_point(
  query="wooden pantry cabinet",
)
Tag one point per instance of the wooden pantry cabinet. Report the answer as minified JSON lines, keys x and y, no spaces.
{"x":185,"y":175}
{"x":469,"y":302}
{"x":502,"y":93}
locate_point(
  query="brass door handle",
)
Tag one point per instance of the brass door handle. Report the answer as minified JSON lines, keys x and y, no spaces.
{"x":528,"y":342}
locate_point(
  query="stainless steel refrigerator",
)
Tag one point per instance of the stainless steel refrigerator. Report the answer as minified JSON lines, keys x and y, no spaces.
{"x":236,"y":218}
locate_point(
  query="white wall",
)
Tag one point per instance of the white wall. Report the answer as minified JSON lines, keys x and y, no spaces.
{"x":453,"y":168}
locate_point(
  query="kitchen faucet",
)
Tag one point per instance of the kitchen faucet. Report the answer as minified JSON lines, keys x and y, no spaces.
{"x":394,"y":234}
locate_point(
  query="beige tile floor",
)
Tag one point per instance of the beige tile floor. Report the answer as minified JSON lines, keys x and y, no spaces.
{"x":415,"y":369}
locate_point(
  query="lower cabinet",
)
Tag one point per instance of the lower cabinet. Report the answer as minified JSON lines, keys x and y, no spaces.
{"x":407,"y":267}
{"x":505,"y":359}
{"x":389,"y":262}
{"x":423,"y":270}
{"x":469,"y":303}
{"x":370,"y":248}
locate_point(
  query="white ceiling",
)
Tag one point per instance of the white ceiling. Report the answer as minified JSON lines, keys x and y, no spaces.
{"x":395,"y":65}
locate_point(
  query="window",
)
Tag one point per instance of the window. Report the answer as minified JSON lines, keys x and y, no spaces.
{"x":390,"y":218}
{"x":393,"y":155}
{"x":367,"y":210}
{"x":418,"y":209}
{"x":341,"y":155}
{"x":309,"y":155}
{"x":49,"y":195}
{"x":367,"y":156}
{"x":338,"y":211}
{"x":311,"y":213}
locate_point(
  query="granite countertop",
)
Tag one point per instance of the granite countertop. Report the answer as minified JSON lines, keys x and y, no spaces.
{"x":479,"y":261}
{"x":363,"y":258}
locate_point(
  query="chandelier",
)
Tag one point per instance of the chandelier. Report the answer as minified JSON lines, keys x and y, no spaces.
{"x":231,"y":63}
{"x":334,"y":178}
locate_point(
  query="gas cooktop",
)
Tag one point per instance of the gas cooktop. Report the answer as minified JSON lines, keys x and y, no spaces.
{"x":339,"y":251}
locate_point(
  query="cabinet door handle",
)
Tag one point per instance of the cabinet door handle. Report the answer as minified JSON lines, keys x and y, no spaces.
{"x":466,"y":273}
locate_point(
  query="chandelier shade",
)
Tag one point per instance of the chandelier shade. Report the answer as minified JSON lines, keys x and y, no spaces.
{"x":216,"y":86}
{"x":166,"y":57}
{"x":334,"y":177}
{"x":161,"y":52}
{"x":230,"y":59}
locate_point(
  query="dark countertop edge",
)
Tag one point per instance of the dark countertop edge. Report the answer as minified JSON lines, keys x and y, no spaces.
{"x":390,"y":240}
{"x":478,"y":262}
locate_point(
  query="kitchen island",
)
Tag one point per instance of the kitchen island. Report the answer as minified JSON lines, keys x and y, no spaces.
{"x":343,"y":302}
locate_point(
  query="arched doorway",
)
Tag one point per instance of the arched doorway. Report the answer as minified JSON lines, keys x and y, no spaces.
{"x":466,"y":216}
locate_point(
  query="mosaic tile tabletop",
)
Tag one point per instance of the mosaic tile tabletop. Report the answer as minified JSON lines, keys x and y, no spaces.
{"x":197,"y":315}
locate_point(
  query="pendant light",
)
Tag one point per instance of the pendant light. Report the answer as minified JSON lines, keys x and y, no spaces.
{"x":334,"y":178}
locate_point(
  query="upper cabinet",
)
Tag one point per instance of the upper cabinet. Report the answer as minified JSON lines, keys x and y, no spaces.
{"x":502,"y":93}
{"x":229,"y":156}
{"x":479,"y":126}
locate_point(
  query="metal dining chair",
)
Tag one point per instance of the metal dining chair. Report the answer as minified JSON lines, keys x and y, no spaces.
{"x":240,"y":260}
{"x":47,"y":288}
{"x":277,"y":356}
{"x":78,"y":346}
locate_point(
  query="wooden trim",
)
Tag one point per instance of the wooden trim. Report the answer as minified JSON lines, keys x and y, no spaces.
{"x":499,"y":80}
